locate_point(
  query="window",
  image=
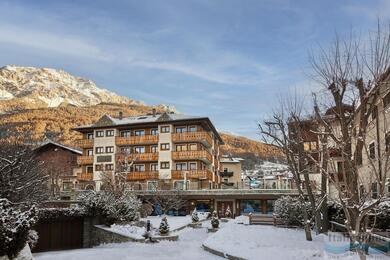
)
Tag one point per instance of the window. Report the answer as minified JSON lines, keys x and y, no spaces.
{"x":126,"y":133}
{"x":192,"y":128}
{"x":374,"y":190}
{"x":99,"y":133}
{"x":164,"y":147}
{"x":164,"y":165}
{"x":90,"y":136}
{"x":371,"y":150}
{"x":110,"y":133}
{"x":374,"y":113}
{"x":192,"y":166}
{"x":139,"y":149}
{"x":154,"y":149}
{"x":139,"y":132}
{"x":181,"y":147}
{"x":387,"y":142}
{"x":192,"y":147}
{"x":181,"y":129}
{"x":154,"y":167}
{"x":386,"y":100}
{"x":181,"y":166}
{"x":99,"y":150}
{"x":179,"y":185}
{"x":90,"y":152}
{"x":139,"y":167}
{"x":109,"y":167}
{"x":152,"y":185}
{"x":109,"y":149}
{"x":165,"y":129}
{"x":126,"y":150}
{"x":67,"y":186}
{"x":308,"y":146}
{"x":98,"y":167}
{"x":89,"y":169}
{"x":154,"y":131}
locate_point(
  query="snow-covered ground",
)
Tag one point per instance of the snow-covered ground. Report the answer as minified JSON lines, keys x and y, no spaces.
{"x":188,"y":247}
{"x":269,"y":242}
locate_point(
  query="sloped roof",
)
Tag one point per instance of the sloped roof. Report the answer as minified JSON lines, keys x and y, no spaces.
{"x":50,"y":142}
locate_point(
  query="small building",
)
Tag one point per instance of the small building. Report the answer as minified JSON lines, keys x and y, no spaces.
{"x":231,"y":171}
{"x":60,"y":164}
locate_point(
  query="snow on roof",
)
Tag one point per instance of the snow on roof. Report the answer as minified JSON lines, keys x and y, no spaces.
{"x":48,"y":141}
{"x":231,"y":160}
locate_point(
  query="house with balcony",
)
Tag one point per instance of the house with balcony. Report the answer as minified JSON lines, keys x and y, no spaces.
{"x":155,"y":151}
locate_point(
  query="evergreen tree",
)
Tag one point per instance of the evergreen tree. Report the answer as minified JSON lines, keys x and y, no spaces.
{"x":214,"y":220}
{"x":164,"y":227}
{"x":194,"y":216}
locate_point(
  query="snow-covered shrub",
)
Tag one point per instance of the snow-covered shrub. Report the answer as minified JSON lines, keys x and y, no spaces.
{"x":194,"y":216}
{"x":32,"y":238}
{"x":15,"y":225}
{"x":214,"y":220}
{"x":61,"y":213}
{"x":336,"y":212}
{"x":289,"y":211}
{"x":228,"y":212}
{"x":383,"y":216}
{"x":164,"y":227}
{"x":113,"y":208}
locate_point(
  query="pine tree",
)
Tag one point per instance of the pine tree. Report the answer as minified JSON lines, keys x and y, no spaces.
{"x":214,"y":220}
{"x":228,"y":213}
{"x":164,"y":227}
{"x":194,"y":216}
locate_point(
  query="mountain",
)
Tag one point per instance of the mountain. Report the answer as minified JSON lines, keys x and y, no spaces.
{"x":48,"y":102}
{"x":32,"y":88}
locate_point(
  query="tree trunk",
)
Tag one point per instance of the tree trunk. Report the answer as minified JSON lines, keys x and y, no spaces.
{"x":307,"y":224}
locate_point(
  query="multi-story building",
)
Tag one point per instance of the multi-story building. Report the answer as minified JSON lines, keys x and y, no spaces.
{"x":231,"y":171}
{"x":163,"y":151}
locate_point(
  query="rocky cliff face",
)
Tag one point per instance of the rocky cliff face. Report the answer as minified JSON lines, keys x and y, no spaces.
{"x":31,"y":88}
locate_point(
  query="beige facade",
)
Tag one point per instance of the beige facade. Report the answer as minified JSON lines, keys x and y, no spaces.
{"x":231,"y":171}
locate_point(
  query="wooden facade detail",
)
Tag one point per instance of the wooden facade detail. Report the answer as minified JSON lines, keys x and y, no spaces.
{"x":138,"y":157}
{"x":85,"y":176}
{"x":136,"y":176}
{"x":202,"y":155}
{"x":136,"y":140}
{"x":193,"y":174}
{"x":85,"y":143}
{"x":84,"y":160}
{"x":201,"y":136}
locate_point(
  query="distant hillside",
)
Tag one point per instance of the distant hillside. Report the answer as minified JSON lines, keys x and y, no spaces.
{"x":252,"y":151}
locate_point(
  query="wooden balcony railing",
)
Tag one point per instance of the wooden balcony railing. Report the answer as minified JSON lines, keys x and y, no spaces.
{"x":84,"y":143}
{"x":138,"y":157}
{"x":83,"y":160}
{"x":85,"y":176}
{"x":203,"y":137}
{"x":192,"y":174}
{"x":138,"y":176}
{"x":134,"y":140}
{"x":192,"y":155}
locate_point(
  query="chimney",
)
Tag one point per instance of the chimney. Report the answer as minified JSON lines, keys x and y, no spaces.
{"x":120,"y":115}
{"x":154,"y":112}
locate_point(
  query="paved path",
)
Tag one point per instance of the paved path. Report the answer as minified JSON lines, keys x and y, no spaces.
{"x":189,"y":246}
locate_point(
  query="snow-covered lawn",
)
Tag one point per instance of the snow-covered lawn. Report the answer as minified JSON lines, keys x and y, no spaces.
{"x":269,"y":242}
{"x":188,"y":247}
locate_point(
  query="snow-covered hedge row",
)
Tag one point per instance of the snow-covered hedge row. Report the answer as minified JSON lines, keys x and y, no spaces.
{"x":16,"y":222}
{"x":113,"y":208}
{"x":61,"y":213}
{"x":289,"y":211}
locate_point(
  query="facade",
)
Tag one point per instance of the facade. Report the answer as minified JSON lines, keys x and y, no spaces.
{"x":231,"y":171}
{"x":156,"y":151}
{"x":60,"y":164}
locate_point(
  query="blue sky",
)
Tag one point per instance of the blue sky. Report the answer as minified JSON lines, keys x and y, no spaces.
{"x":229,"y":60}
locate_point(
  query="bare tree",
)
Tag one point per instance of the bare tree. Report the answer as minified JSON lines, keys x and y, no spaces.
{"x":166,"y":200}
{"x":355,"y":76}
{"x":21,"y":177}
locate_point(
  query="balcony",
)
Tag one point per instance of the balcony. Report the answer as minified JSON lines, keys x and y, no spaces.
{"x":84,"y":143}
{"x":138,"y":157}
{"x":226,"y":174}
{"x":84,"y":160}
{"x":202,"y":155}
{"x":139,"y":176}
{"x":85,"y":176}
{"x":192,"y":174}
{"x":135,"y":140}
{"x":202,"y":137}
